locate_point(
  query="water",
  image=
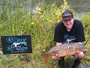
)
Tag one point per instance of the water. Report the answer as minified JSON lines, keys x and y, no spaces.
{"x":80,"y":7}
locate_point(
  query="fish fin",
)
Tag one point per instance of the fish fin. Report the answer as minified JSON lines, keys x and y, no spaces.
{"x":46,"y":57}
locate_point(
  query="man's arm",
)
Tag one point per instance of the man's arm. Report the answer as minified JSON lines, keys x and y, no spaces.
{"x":58,"y":43}
{"x":80,"y":42}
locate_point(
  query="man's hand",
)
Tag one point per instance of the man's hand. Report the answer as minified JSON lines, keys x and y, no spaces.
{"x":56,"y":57}
{"x":75,"y":52}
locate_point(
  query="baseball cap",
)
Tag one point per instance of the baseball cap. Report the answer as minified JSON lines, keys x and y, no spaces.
{"x":67,"y":15}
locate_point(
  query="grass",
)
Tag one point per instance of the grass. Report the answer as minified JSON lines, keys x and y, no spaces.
{"x":41,"y":26}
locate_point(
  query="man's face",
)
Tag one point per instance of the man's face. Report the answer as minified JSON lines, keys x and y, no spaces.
{"x":69,"y":23}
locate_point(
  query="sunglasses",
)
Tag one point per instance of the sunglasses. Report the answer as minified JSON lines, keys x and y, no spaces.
{"x":68,"y":15}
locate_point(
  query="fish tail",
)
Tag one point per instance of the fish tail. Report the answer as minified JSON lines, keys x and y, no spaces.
{"x":46,"y":57}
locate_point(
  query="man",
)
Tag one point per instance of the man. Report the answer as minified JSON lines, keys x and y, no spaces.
{"x":66,"y":31}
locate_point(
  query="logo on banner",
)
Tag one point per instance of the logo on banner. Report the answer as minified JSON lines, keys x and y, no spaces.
{"x":16,"y":44}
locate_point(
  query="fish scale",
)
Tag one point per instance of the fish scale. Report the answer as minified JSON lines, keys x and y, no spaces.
{"x":65,"y":49}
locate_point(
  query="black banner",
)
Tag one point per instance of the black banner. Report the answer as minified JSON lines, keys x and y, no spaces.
{"x":16,"y":44}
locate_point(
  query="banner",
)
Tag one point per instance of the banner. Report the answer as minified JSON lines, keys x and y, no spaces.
{"x":16,"y":44}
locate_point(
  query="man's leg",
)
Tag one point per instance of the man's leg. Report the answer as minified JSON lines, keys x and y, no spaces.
{"x":61,"y":62}
{"x":76,"y":63}
{"x":77,"y":60}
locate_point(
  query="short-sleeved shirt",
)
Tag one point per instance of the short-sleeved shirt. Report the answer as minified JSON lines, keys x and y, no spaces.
{"x":76,"y":34}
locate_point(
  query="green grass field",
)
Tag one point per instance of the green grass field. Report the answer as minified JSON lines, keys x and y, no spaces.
{"x":40,"y":26}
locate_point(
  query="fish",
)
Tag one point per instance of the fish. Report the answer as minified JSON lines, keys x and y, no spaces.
{"x":63,"y":50}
